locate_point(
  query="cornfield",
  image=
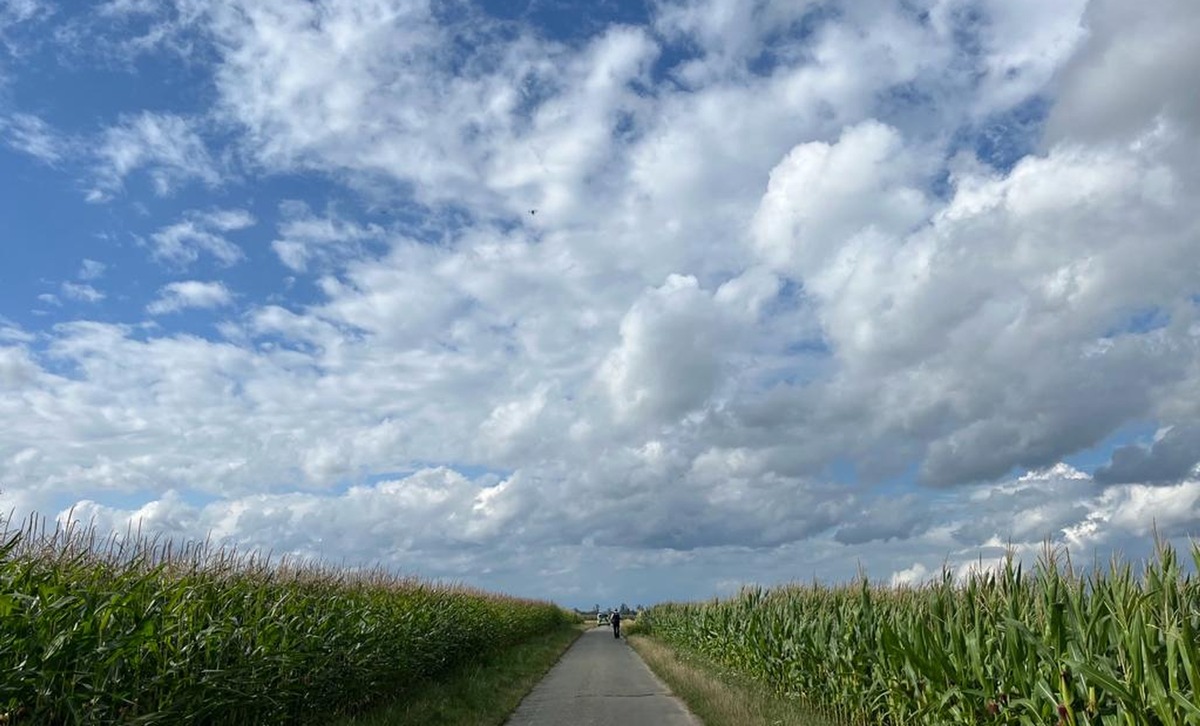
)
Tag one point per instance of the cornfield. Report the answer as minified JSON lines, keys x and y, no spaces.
{"x":1000,"y":647}
{"x":137,"y":631}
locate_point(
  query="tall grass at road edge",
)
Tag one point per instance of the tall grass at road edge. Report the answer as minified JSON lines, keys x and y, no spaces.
{"x":482,"y":693}
{"x":718,"y":697}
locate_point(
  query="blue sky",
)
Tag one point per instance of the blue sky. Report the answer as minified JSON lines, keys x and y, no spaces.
{"x":617,"y":301}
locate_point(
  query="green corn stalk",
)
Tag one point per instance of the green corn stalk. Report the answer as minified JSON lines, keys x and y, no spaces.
{"x":1099,"y":648}
{"x":136,"y":631}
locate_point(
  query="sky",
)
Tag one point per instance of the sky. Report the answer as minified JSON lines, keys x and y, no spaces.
{"x":603,"y":302}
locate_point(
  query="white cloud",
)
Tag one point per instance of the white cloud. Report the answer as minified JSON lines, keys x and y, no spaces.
{"x":730,"y":34}
{"x":512,"y":421}
{"x":166,"y":145}
{"x":957,"y":328}
{"x":186,"y":294}
{"x":17,"y":369}
{"x":409,"y":512}
{"x":565,"y":151}
{"x":1172,"y":511}
{"x":822,"y":196}
{"x":1022,"y":45}
{"x":669,"y":360}
{"x":758,"y":282}
{"x":452,"y":526}
{"x":1136,"y":67}
{"x":307,"y":239}
{"x":520,"y":123}
{"x":129,"y":7}
{"x":31,"y":135}
{"x":17,"y":17}
{"x":915,"y":575}
{"x":91,"y":270}
{"x":18,"y":11}
{"x":182,"y":243}
{"x":349,"y":84}
{"x":81,"y":292}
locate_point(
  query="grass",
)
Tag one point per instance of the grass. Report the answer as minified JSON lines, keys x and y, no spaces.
{"x":481,"y":694}
{"x":718,"y":696}
{"x":135,"y":631}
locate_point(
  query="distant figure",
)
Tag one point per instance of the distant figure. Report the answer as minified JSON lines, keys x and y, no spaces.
{"x":615,"y":619}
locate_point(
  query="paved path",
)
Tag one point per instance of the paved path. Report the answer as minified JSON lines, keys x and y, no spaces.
{"x":601,"y":681}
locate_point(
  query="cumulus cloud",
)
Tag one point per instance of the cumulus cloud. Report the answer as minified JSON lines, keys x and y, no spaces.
{"x":354,"y":86}
{"x":510,"y":424}
{"x":408,"y":515}
{"x":91,"y":270}
{"x":306,"y":239}
{"x":730,"y":34}
{"x":967,"y":321}
{"x":916,"y":575}
{"x":769,"y":282}
{"x":167,"y":146}
{"x":178,"y":296}
{"x":669,"y":359}
{"x":822,"y":196}
{"x":16,"y":367}
{"x":1170,"y":511}
{"x":81,"y":292}
{"x":408,"y":512}
{"x":1015,"y":48}
{"x":885,"y":519}
{"x":182,"y":243}
{"x":1170,"y":458}
{"x":1132,"y":72}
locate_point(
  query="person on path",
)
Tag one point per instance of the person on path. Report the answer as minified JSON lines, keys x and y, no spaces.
{"x":616,"y":623}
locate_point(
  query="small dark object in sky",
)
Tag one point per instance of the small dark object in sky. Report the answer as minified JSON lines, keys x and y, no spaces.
{"x":533,"y":211}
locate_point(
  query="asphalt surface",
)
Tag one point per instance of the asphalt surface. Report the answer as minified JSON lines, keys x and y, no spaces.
{"x":601,"y":681}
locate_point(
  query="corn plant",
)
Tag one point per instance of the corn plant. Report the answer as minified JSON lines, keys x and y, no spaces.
{"x":1005,"y":647}
{"x":136,"y":631}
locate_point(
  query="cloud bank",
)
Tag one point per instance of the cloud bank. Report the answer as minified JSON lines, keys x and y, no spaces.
{"x":744,"y":291}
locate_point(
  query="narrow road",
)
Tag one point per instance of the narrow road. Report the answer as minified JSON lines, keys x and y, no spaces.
{"x":601,"y":681}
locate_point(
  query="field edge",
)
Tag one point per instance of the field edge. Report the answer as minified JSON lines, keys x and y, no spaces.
{"x":716,"y":696}
{"x":480,"y":694}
